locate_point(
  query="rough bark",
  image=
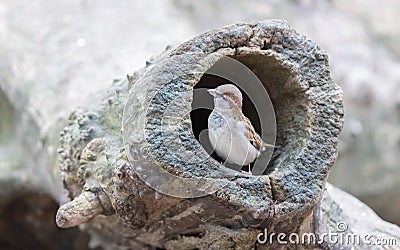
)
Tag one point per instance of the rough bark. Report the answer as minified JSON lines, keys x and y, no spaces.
{"x":309,"y":110}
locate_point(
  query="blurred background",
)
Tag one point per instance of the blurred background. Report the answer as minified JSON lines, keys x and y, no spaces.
{"x":69,"y":49}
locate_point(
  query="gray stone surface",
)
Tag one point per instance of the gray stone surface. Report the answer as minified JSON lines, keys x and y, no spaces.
{"x":357,"y":226}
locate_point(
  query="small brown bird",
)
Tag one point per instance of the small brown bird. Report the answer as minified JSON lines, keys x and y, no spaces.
{"x":231,"y":134}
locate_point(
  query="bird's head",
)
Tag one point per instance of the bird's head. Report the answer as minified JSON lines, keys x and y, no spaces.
{"x":226,"y":97}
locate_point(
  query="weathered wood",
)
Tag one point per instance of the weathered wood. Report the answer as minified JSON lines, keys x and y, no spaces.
{"x":309,"y":113}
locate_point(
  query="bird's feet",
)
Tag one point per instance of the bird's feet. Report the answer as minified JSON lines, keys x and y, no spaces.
{"x":247,"y":172}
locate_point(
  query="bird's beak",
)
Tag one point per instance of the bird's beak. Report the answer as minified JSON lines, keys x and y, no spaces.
{"x":212,"y":92}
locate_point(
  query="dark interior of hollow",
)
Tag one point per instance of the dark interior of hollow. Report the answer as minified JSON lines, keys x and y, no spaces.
{"x":199,"y":117}
{"x":274,"y":77}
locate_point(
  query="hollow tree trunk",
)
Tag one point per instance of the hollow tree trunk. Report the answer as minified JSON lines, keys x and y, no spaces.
{"x":132,"y":185}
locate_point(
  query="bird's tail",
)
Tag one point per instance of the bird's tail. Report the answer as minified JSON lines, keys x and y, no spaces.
{"x":267,"y":145}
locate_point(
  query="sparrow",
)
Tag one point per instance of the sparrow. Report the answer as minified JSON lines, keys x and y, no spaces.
{"x":230,"y":132}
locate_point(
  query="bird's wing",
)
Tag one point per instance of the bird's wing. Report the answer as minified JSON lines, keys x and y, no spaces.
{"x":252,"y":136}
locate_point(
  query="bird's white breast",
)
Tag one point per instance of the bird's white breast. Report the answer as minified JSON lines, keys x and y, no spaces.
{"x":229,"y":140}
